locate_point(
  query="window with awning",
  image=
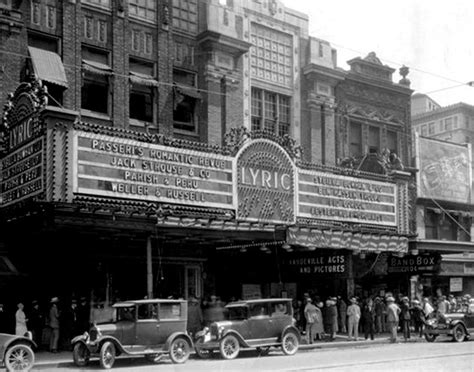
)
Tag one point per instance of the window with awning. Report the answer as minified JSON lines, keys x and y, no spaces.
{"x":185,"y":98}
{"x":142,"y":90}
{"x":95,"y":84}
{"x":48,"y":66}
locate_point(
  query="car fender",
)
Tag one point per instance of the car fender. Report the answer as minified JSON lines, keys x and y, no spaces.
{"x":117,"y":343}
{"x":15,"y":341}
{"x":174,"y":335}
{"x":291,"y":328}
{"x":80,"y":338}
{"x":456,"y":322}
{"x":239,"y":337}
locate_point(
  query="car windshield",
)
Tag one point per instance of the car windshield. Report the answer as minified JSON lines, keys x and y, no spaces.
{"x":236,"y":313}
{"x":125,"y":313}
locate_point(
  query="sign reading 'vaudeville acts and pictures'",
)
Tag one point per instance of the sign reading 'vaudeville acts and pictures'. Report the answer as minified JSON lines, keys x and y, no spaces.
{"x":115,"y":167}
{"x":341,"y":198}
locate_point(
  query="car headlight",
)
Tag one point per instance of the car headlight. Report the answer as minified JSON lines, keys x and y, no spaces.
{"x":220,"y":331}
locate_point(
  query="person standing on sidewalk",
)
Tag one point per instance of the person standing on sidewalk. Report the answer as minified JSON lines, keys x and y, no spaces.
{"x":418,"y":317}
{"x":310,"y":313}
{"x":405,"y":317}
{"x":342,"y":311}
{"x":332,"y":318}
{"x":20,"y":321}
{"x":54,"y":325}
{"x":368,"y":319}
{"x":353,"y":318}
{"x":380,"y":311}
{"x":393,"y":312}
{"x":36,"y":322}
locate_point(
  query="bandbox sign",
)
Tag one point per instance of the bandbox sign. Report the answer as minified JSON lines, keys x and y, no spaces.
{"x":265,"y":183}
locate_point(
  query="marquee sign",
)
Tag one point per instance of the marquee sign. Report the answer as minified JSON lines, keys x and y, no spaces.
{"x":121,"y":168}
{"x":265,"y":183}
{"x":340,"y":198}
{"x":22,"y":167}
{"x":317,"y":264}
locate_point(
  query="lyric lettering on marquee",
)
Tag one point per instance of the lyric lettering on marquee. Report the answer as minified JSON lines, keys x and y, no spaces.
{"x":113,"y":167}
{"x":22,"y":173}
{"x":349,"y":199}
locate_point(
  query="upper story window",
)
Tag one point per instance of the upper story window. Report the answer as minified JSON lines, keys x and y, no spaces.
{"x":100,"y":3}
{"x":145,"y":9}
{"x":186,"y":99}
{"x":440,"y":225}
{"x":424,"y":130}
{"x":185,"y":15}
{"x":95,"y":84}
{"x":392,"y":141}
{"x":455,"y":122}
{"x":448,"y":123}
{"x":270,"y":112}
{"x":271,"y":55}
{"x":142,"y":90}
{"x":355,"y":135}
{"x":374,"y":140}
{"x":431,"y":128}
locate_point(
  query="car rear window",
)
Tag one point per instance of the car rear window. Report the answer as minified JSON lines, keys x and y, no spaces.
{"x":170,"y":311}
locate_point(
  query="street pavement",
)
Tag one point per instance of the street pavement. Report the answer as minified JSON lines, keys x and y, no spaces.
{"x":338,"y":356}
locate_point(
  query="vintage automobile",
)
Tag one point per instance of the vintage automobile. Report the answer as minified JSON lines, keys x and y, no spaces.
{"x":259,"y":324}
{"x":457,"y":325}
{"x":152,"y":328}
{"x":16,"y":352}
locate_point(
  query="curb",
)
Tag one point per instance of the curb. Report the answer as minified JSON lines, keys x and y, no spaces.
{"x":303,"y":347}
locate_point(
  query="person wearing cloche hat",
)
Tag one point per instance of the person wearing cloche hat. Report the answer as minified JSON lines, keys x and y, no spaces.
{"x":353,"y":318}
{"x":54,"y":325}
{"x":393,"y":312}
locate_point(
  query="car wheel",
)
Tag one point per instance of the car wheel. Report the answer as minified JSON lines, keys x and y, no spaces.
{"x":229,"y":347}
{"x":430,"y":337}
{"x":179,"y":350}
{"x":262,"y":351}
{"x":107,"y":355}
{"x":459,"y":334}
{"x":19,"y":357}
{"x":80,"y":354}
{"x":290,"y":343}
{"x":200,"y":352}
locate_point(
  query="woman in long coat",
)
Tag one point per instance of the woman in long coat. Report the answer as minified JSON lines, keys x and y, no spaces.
{"x":20,"y":318}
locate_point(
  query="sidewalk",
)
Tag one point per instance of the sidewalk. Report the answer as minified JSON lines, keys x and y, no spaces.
{"x":46,"y":359}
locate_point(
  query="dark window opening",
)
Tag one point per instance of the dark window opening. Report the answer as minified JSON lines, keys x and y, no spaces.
{"x":431,"y":225}
{"x":183,"y":114}
{"x":141,"y":103}
{"x":374,"y":140}
{"x":55,"y":94}
{"x":95,"y":92}
{"x":392,"y":142}
{"x":355,"y":139}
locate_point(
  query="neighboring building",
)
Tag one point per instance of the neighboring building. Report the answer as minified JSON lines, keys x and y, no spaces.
{"x":453,"y":123}
{"x":444,"y":219}
{"x":422,"y":103}
{"x":179,"y":143}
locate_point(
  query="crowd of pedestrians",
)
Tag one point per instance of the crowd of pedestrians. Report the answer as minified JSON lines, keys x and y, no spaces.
{"x":51,"y":326}
{"x":319,"y":320}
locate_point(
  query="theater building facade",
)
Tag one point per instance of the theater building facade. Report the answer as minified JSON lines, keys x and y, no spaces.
{"x":112,"y":213}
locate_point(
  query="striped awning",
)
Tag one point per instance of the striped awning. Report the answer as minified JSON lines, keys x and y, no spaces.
{"x":48,"y":66}
{"x":188,"y":91}
{"x":96,"y":67}
{"x":142,"y":79}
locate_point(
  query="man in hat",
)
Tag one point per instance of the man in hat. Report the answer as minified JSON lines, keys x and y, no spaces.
{"x":195,"y":318}
{"x":83,"y":315}
{"x":54,"y":325}
{"x":418,"y":317}
{"x":311,"y":316}
{"x":36,"y":322}
{"x":405,"y":317}
{"x":353,"y":318}
{"x":393,"y":312}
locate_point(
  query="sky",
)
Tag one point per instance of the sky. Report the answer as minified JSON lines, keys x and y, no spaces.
{"x":433,"y":38}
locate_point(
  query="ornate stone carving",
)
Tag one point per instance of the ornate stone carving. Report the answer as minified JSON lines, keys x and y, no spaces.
{"x":374,"y":113}
{"x":236,"y":137}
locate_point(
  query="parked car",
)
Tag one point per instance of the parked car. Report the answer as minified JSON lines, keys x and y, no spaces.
{"x":260,"y":324}
{"x":457,"y":325}
{"x":16,"y":352}
{"x":152,"y":328}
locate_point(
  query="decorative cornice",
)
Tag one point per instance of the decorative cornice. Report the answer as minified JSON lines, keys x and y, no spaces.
{"x":211,"y":40}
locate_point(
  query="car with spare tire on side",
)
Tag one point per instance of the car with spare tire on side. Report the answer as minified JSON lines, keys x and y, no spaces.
{"x":261,"y":324}
{"x":153,"y":328}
